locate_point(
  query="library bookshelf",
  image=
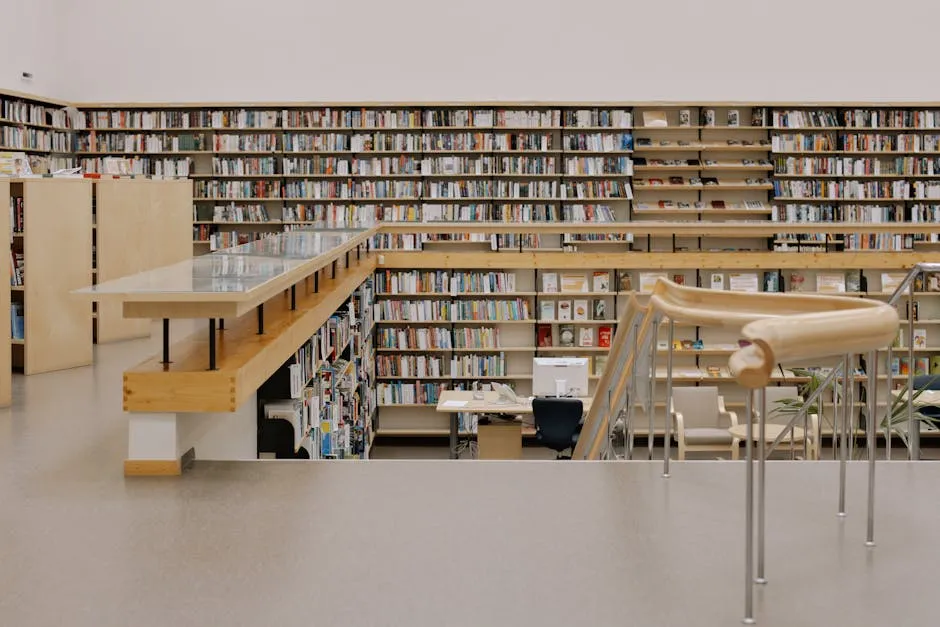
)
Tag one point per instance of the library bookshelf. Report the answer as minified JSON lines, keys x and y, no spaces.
{"x":56,"y":327}
{"x":139,"y":224}
{"x":686,"y":188}
{"x":6,"y":379}
{"x":39,"y":127}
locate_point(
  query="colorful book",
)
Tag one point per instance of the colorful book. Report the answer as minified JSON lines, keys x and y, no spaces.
{"x":586,"y":336}
{"x":601,"y":281}
{"x":580,"y":310}
{"x":544,"y":335}
{"x":566,"y":335}
{"x":564,"y":310}
{"x":604,"y":336}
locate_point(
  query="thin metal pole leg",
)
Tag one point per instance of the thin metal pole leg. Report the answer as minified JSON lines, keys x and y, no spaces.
{"x":651,"y":401}
{"x":166,"y":341}
{"x":870,"y":436}
{"x":844,"y":432}
{"x":749,"y":513}
{"x":668,"y":435}
{"x":888,"y":414}
{"x":761,"y":482}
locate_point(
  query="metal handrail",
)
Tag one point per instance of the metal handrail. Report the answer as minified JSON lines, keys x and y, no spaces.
{"x":913,"y":429}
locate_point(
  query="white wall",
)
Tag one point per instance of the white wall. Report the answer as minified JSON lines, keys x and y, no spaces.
{"x":434,"y":50}
{"x":30,"y":41}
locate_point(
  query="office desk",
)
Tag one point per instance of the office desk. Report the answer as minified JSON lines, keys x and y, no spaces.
{"x":503,"y":440}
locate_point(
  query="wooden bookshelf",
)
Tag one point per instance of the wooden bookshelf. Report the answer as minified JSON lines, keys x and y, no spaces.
{"x":58,"y":326}
{"x":38,"y":127}
{"x":140,"y":224}
{"x":6,"y":383}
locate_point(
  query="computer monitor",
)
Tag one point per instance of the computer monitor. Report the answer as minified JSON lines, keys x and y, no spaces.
{"x":565,"y":376}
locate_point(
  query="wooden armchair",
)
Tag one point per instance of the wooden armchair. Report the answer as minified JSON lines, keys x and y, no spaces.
{"x":701,"y":421}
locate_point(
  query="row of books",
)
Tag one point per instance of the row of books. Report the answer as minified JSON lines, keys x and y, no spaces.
{"x":412,"y":190}
{"x":139,"y":142}
{"x":838,"y":213}
{"x":430,"y":366}
{"x":14,"y":110}
{"x":444,"y":282}
{"x":19,"y":138}
{"x":442,"y":165}
{"x":855,"y":142}
{"x":853,"y":189}
{"x":175,"y":167}
{"x":440,"y":310}
{"x":412,"y":118}
{"x":848,"y":166}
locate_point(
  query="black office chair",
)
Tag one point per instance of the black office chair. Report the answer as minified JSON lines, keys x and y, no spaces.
{"x":558,"y":423}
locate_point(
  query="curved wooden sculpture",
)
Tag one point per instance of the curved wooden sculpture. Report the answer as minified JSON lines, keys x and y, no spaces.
{"x":780,"y":327}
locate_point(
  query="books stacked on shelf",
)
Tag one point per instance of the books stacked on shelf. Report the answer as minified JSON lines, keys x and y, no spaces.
{"x":144,"y":166}
{"x":34,"y":139}
{"x":398,"y":393}
{"x":17,"y":322}
{"x":444,"y":282}
{"x":243,"y":166}
{"x":477,"y":366}
{"x":413,"y":338}
{"x":212,"y":190}
{"x":19,"y":111}
{"x":351,"y":118}
{"x":239,"y":213}
{"x":590,"y":118}
{"x":17,"y":268}
{"x":245,"y":142}
{"x":117,"y":143}
{"x":327,"y":386}
{"x":410,"y":367}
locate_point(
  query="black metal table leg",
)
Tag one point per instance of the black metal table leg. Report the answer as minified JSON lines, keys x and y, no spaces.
{"x":293,"y":297}
{"x":261,"y":319}
{"x":221,"y":324}
{"x":316,"y":282}
{"x":347,"y":258}
{"x":211,"y":343}
{"x":333,"y":272}
{"x":166,"y":341}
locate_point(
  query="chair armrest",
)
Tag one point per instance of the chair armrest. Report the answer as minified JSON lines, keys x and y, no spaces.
{"x":731,"y":416}
{"x":680,"y":424}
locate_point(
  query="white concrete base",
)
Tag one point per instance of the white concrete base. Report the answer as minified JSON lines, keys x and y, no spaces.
{"x":227,"y":436}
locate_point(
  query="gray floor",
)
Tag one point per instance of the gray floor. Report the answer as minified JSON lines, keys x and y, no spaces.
{"x":429,"y":543}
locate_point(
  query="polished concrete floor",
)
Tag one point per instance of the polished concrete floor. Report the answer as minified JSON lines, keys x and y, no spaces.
{"x":429,"y":543}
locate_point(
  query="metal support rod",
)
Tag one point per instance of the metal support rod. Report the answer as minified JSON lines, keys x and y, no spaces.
{"x":293,"y":297}
{"x":211,"y":343}
{"x":632,"y":400}
{"x":668,"y":434}
{"x":844,"y":431}
{"x":261,"y":319}
{"x":749,"y":511}
{"x":221,"y":324}
{"x":166,"y":341}
{"x":333,"y":270}
{"x":316,"y":282}
{"x":761,"y":480}
{"x":913,"y":430}
{"x":347,"y":258}
{"x":358,"y":251}
{"x":651,"y":385}
{"x":889,"y":414}
{"x":812,"y":398}
{"x":870,"y":436}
